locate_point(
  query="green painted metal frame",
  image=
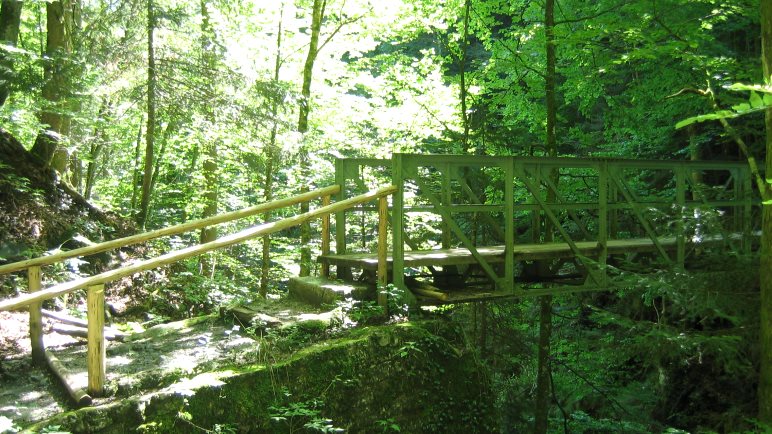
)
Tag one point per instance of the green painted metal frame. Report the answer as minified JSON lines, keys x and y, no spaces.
{"x":612,"y":195}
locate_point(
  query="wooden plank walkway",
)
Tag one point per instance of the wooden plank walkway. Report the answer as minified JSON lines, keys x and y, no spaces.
{"x":522,"y":252}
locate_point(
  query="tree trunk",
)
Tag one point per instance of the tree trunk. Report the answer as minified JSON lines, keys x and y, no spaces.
{"x":210,"y":146}
{"x":270,"y":153}
{"x":541,"y":416}
{"x":541,"y":421}
{"x":10,"y":21}
{"x":765,"y":374}
{"x":136,"y":176}
{"x":147,"y":176}
{"x":95,"y":150}
{"x":305,"y":108}
{"x":463,"y":85}
{"x":56,"y":86}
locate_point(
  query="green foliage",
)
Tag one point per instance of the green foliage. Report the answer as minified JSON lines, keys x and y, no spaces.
{"x":388,"y":425}
{"x":363,"y":312}
{"x":581,"y":422}
{"x":756,"y":103}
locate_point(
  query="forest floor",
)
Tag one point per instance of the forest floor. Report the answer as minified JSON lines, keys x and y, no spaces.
{"x":144,"y":362}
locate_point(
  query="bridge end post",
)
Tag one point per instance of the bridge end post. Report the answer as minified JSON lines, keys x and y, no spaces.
{"x":325,"y":238}
{"x":36,"y":317}
{"x":397,"y":217}
{"x":96,"y":340}
{"x":340,"y":219}
{"x":383,"y":246}
{"x":603,"y":221}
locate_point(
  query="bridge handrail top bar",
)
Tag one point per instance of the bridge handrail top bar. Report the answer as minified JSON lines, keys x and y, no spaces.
{"x":178,"y":255}
{"x":568,"y":162}
{"x":171,"y":230}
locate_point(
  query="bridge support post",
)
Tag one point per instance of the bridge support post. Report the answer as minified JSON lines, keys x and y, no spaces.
{"x":603,"y":215}
{"x":397,"y":217}
{"x":96,"y":340}
{"x":340,"y":219}
{"x":747,"y":198}
{"x":36,"y":318}
{"x":681,"y":201}
{"x":326,"y":238}
{"x":509,"y":225}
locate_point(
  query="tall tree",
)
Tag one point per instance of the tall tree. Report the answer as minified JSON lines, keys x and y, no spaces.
{"x":463,"y":86}
{"x":10,"y":21}
{"x":147,"y":175}
{"x":305,"y":107}
{"x":270,"y":155}
{"x":545,"y":324}
{"x":208,"y":63}
{"x":55,"y":117}
{"x":314,"y":47}
{"x":765,"y":374}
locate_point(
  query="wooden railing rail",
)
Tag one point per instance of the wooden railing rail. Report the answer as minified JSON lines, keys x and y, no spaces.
{"x":95,"y":284}
{"x":171,"y":230}
{"x":178,"y":255}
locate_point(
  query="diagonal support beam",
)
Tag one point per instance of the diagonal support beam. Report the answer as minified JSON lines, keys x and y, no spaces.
{"x":456,"y":229}
{"x":633,"y":201}
{"x":551,"y":185}
{"x":551,"y":216}
{"x":476,"y":200}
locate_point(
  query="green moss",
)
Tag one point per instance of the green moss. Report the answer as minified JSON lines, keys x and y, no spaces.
{"x":414,"y":375}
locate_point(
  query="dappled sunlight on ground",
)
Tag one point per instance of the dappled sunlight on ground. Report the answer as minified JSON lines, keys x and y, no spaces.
{"x":173,"y":355}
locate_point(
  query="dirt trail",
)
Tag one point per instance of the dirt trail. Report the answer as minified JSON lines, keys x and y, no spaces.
{"x":146,"y":361}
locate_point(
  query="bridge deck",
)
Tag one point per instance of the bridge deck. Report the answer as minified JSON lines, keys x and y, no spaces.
{"x":522,"y":252}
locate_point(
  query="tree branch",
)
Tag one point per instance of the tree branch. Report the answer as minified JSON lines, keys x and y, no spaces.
{"x":765,"y":190}
{"x":592,"y":386}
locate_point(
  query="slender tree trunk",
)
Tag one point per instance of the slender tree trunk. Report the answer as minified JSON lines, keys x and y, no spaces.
{"x":463,"y":85}
{"x":48,"y":145}
{"x":765,"y":374}
{"x":136,"y":176}
{"x":305,"y":108}
{"x":147,"y":175}
{"x":270,"y":153}
{"x":10,"y":21}
{"x":210,"y":146}
{"x":75,"y":172}
{"x":541,"y":419}
{"x":98,"y":143}
{"x":91,"y":169}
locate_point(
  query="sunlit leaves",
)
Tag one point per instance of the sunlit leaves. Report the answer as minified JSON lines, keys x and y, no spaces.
{"x":759,"y":99}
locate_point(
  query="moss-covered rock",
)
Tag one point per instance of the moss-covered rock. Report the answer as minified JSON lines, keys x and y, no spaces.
{"x":415,"y":376}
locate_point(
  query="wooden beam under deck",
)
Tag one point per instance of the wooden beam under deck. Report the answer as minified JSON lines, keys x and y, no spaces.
{"x":522,"y":252}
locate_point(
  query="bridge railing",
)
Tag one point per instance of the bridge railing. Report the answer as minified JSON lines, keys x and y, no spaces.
{"x":470,"y":201}
{"x":95,"y":284}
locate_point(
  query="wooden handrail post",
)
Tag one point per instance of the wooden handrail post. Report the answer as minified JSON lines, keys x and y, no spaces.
{"x":96,"y":340}
{"x":383,"y":247}
{"x":36,"y":318}
{"x":326,"y":237}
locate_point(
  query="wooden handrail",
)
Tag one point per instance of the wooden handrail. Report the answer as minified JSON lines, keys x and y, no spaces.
{"x":171,"y":230}
{"x":188,"y":252}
